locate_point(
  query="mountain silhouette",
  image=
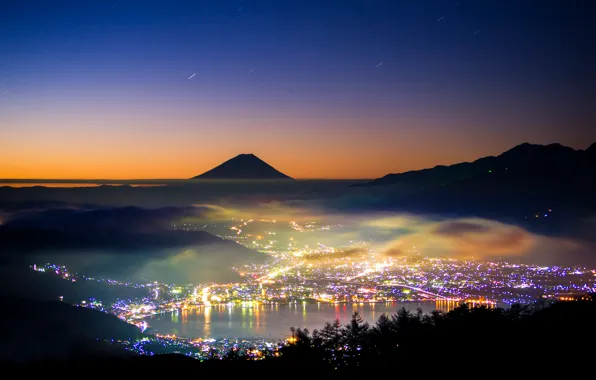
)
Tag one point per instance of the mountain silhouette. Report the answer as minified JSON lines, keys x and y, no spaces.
{"x":243,"y":166}
{"x":525,"y":159}
{"x":520,"y":185}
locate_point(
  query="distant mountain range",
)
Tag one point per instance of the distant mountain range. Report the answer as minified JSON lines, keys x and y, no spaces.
{"x":522,"y":183}
{"x":526,"y":158}
{"x":243,"y":166}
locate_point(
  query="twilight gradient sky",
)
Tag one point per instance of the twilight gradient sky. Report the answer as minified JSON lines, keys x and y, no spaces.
{"x":101,"y":89}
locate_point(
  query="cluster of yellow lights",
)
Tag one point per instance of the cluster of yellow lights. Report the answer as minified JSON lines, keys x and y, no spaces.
{"x":205,"y":297}
{"x":585,"y":298}
{"x":169,"y":336}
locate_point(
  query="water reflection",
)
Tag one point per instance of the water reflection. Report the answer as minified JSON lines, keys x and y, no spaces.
{"x":446,"y":306}
{"x":274,"y":321}
{"x":207,"y":324}
{"x":257,"y":320}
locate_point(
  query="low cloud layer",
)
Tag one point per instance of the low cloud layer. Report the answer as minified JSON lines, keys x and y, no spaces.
{"x":477,"y":237}
{"x":396,"y":234}
{"x":121,"y":241}
{"x":474,"y":238}
{"x":141,"y":242}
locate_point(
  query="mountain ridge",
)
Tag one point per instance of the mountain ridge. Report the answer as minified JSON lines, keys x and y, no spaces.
{"x":524,"y":156}
{"x":519,"y":186}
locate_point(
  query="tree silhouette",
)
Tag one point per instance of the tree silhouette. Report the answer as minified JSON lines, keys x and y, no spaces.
{"x":331,"y":334}
{"x":474,"y":335}
{"x":354,"y":337}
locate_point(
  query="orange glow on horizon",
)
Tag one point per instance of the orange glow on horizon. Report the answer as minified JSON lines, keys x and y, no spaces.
{"x":319,"y":165}
{"x":145,"y":150}
{"x":347,"y":159}
{"x":158,"y":93}
{"x":316,"y":164}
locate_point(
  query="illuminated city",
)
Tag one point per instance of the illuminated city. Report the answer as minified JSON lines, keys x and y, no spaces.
{"x":297,"y":273}
{"x":330,"y":189}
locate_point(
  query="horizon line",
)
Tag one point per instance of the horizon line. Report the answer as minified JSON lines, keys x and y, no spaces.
{"x":34,"y":180}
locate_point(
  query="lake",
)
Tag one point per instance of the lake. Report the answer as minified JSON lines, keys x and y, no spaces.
{"x":273,"y":321}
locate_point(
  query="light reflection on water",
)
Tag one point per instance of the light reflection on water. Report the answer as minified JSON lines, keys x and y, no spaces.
{"x":274,"y":321}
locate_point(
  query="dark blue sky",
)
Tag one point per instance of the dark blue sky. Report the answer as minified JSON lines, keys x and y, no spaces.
{"x":406,"y":84}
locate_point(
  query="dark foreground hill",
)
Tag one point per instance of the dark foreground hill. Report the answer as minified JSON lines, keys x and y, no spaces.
{"x":537,"y":340}
{"x":243,"y":166}
{"x":34,"y":330}
{"x":23,"y":282}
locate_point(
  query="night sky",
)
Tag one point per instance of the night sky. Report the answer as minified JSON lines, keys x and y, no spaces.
{"x":318,"y":89}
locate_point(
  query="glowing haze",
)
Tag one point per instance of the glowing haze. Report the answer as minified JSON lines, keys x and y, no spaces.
{"x":318,"y":89}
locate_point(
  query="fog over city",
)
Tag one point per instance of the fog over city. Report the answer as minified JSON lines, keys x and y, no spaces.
{"x":153,"y":243}
{"x":331,"y":189}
